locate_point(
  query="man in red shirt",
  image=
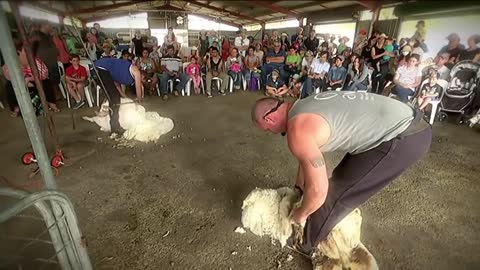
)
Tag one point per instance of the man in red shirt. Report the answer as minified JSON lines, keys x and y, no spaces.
{"x":76,"y":76}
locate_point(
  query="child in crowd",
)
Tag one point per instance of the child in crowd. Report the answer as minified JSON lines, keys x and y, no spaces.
{"x":155,"y":55}
{"x":295,"y":86}
{"x":275,"y":85}
{"x":293,"y":61}
{"x":76,"y":76}
{"x":193,"y":70}
{"x":430,"y":91}
{"x":388,"y":48}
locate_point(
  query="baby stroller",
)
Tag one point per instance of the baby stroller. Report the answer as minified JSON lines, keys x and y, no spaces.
{"x":460,"y":91}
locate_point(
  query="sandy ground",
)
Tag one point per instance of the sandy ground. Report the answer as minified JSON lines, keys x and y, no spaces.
{"x":191,"y":184}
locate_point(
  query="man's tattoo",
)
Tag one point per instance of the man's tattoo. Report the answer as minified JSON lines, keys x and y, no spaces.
{"x":317,"y":162}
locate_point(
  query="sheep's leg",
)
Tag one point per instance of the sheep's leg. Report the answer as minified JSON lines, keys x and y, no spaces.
{"x":362,"y":259}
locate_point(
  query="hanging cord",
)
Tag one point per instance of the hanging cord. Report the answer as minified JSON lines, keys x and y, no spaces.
{"x":93,"y":65}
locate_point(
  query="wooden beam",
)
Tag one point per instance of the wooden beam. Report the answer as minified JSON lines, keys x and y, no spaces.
{"x":238,"y":15}
{"x":208,"y":17}
{"x":279,"y":9}
{"x":313,"y":3}
{"x":44,"y":7}
{"x":107,"y":7}
{"x":371,"y":5}
{"x":109,"y":16}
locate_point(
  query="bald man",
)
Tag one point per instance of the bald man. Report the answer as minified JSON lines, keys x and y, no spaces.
{"x":381,"y":136}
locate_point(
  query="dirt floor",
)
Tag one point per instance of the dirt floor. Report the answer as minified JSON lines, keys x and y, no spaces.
{"x":191,"y":184}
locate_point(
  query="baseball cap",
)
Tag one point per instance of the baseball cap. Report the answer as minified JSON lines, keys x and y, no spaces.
{"x":340,"y":57}
{"x":276,"y":71}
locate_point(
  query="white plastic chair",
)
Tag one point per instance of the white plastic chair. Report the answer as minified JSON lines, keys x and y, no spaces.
{"x":435,"y":103}
{"x":188,"y":85}
{"x":88,"y":92}
{"x":63,"y":82}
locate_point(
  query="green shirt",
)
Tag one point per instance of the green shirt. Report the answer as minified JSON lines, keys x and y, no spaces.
{"x":72,"y":45}
{"x":297,"y":59}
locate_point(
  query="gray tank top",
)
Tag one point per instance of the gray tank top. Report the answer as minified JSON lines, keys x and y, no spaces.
{"x":358,"y":121}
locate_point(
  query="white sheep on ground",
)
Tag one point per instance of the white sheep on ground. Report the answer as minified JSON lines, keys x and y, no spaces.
{"x":138,"y":124}
{"x":267,"y":212}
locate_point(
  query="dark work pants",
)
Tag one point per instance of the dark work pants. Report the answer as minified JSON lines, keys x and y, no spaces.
{"x":358,"y":177}
{"x":114,"y":101}
{"x":12,"y":99}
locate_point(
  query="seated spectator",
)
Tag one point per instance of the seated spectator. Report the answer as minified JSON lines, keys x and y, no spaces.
{"x":226,"y":49}
{"x":234,"y":68}
{"x":472,"y":52}
{"x":307,"y":63}
{"x":337,"y":74}
{"x":454,"y":48}
{"x":302,"y":51}
{"x":417,"y":49}
{"x":430,"y":91}
{"x":293,"y":62}
{"x":194,"y":53}
{"x":317,"y":75}
{"x":107,"y":51}
{"x":276,"y":87}
{"x":148,"y":68}
{"x":297,"y":39}
{"x":76,"y":77}
{"x":284,"y":41}
{"x":172,"y":68}
{"x":407,"y":78}
{"x":275,"y":60}
{"x":346,"y":55}
{"x":251,"y":68}
{"x":29,"y":81}
{"x":312,"y":42}
{"x":259,"y":52}
{"x":324,"y":47}
{"x":295,"y":86}
{"x":194,"y":72}
{"x":358,"y":75}
{"x":126,"y":55}
{"x":215,"y":69}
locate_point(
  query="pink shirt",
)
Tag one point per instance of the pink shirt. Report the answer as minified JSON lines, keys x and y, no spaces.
{"x":193,"y":69}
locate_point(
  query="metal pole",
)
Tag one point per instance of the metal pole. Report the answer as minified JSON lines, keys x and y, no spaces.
{"x":25,"y":103}
{"x":31,"y":61}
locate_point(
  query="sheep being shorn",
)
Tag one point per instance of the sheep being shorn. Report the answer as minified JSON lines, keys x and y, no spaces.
{"x":138,"y":124}
{"x":267,"y":212}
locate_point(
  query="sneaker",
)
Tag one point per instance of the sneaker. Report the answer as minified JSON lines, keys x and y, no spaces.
{"x":79,"y":105}
{"x":222,"y":93}
{"x":209,"y":95}
{"x":175,"y":93}
{"x":165,"y":97}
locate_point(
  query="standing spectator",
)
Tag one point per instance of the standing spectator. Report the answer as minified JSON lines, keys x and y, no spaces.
{"x":203,"y":43}
{"x":284,"y":41}
{"x":407,"y":78}
{"x":242,"y":42}
{"x":48,"y":53}
{"x":297,"y":38}
{"x":342,"y":46}
{"x":360,"y":42}
{"x":472,"y":52}
{"x":312,"y":42}
{"x":149,"y":41}
{"x":91,"y":46}
{"x":154,"y":55}
{"x":61,"y":45}
{"x":275,"y":60}
{"x":252,"y":62}
{"x":137,"y":44}
{"x":378,"y":76}
{"x":420,"y":35}
{"x":100,"y":35}
{"x":225,"y":49}
{"x":337,"y":74}
{"x":454,"y":48}
{"x":215,"y":69}
{"x":76,"y":77}
{"x":172,"y":69}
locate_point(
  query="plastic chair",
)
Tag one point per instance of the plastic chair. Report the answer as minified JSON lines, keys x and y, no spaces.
{"x":88,"y":93}
{"x":63,"y":83}
{"x":434,"y":103}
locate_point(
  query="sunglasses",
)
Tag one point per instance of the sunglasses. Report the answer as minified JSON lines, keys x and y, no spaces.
{"x":274,"y":109}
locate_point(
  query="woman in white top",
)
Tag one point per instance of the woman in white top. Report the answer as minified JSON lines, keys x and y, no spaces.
{"x":259,"y":52}
{"x":407,"y":78}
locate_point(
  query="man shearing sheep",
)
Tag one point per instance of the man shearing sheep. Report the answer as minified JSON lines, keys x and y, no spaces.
{"x":113,"y":72}
{"x":382,"y":138}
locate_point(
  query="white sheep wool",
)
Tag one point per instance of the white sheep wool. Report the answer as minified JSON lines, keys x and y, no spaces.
{"x":138,"y":124}
{"x":266,"y":212}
